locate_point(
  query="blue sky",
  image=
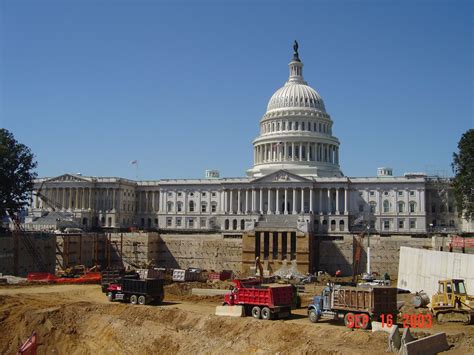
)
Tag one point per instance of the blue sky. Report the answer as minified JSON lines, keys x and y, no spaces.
{"x":181,"y":85}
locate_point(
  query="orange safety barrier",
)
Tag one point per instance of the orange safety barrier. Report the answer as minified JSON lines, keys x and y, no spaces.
{"x":88,"y":278}
{"x":40,"y":277}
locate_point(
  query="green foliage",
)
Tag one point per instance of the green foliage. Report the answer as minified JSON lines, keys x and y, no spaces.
{"x":463,"y":167}
{"x":16,"y":174}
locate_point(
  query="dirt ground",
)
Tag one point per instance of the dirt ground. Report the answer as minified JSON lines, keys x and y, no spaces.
{"x":78,"y":319}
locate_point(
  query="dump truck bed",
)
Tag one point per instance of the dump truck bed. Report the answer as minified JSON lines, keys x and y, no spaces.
{"x":272,"y":295}
{"x":149,"y":287}
{"x":373,"y":300}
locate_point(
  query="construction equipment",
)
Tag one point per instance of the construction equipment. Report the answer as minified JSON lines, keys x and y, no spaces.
{"x":73,"y":271}
{"x":452,"y":303}
{"x":261,"y":301}
{"x":137,"y":291}
{"x":356,"y":305}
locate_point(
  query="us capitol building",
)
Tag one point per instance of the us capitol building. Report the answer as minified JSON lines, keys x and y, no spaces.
{"x":295,"y":190}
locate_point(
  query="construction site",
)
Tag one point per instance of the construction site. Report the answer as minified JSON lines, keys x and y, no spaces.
{"x":57,"y":293}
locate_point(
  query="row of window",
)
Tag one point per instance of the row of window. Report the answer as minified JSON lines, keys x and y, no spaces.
{"x":401,"y":224}
{"x":385,"y":193}
{"x":191,"y":207}
{"x":186,"y":222}
{"x":191,"y":194}
{"x":296,"y":126}
{"x":387,"y":206}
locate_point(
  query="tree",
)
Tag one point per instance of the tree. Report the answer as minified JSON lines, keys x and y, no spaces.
{"x":463,"y":167}
{"x":16,"y":174}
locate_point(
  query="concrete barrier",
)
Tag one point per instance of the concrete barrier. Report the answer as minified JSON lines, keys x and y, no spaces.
{"x":377,"y":327}
{"x":429,"y":345}
{"x":208,"y":292}
{"x":394,"y":340}
{"x":230,"y":311}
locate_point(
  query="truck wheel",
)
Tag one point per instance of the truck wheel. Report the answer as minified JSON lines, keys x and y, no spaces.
{"x":256,"y":312}
{"x":266,"y":314}
{"x":313,"y":316}
{"x":110,"y":296}
{"x":142,"y":300}
{"x":349,"y":320}
{"x":133,"y":299}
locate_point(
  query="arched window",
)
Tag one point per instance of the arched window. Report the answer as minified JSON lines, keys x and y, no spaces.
{"x":179,"y":206}
{"x":302,"y":126}
{"x":170,"y":206}
{"x":273,"y":127}
{"x":290,"y":126}
{"x":242,"y":224}
{"x":234,"y":224}
{"x":296,"y":126}
{"x":191,"y":206}
{"x":386,"y":206}
{"x":320,"y":127}
{"x":412,"y":207}
{"x":314,"y":126}
{"x":401,"y":207}
{"x":226,"y":224}
{"x":341,"y":225}
{"x":278,"y":126}
{"x":333,"y":225}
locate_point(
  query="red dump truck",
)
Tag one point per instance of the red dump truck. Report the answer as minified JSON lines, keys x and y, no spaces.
{"x":266,"y":301}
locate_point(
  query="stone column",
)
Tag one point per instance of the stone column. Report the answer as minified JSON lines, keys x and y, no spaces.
{"x":239,"y":210}
{"x":277,"y":203}
{"x":302,"y":200}
{"x":113,"y":198}
{"x":269,"y":211}
{"x":329,"y":201}
{"x":307,"y":151}
{"x":292,"y":151}
{"x":76,"y":205}
{"x":286,"y":201}
{"x":225,"y":201}
{"x":254,"y":207}
{"x":279,"y":241}
{"x":346,"y":201}
{"x":231,"y":207}
{"x":320,"y":201}
{"x":285,"y":152}
{"x":337,"y":201}
{"x":301,"y":151}
{"x":421,"y":193}
{"x":246,"y":201}
{"x":264,"y":152}
{"x":70,"y":198}
{"x":288,"y":245}
{"x":294,"y":201}
{"x":261,"y":201}
{"x":311,"y":200}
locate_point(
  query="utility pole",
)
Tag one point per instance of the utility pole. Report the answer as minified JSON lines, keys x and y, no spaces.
{"x":368,"y":249}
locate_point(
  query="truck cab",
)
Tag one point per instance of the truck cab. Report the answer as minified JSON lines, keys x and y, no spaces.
{"x":449,"y":293}
{"x":319,"y":305}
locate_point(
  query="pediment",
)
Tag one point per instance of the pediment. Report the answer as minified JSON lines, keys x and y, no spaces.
{"x":281,"y":176}
{"x":67,"y":178}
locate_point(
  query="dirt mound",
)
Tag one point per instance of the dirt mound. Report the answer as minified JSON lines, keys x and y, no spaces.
{"x":84,"y":328}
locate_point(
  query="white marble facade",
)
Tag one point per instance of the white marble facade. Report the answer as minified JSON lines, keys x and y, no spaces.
{"x":295,"y":179}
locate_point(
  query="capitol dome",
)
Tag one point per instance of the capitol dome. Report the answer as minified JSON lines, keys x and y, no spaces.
{"x":296,"y":95}
{"x":296,"y":131}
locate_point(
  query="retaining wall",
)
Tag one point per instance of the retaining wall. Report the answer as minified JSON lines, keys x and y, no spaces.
{"x":422,"y":269}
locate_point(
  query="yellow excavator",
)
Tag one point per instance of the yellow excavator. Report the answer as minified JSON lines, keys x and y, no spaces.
{"x":452,"y":303}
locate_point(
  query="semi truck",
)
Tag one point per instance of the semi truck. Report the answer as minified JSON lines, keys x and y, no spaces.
{"x":356,"y":305}
{"x":136,"y":291}
{"x":265,"y":301}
